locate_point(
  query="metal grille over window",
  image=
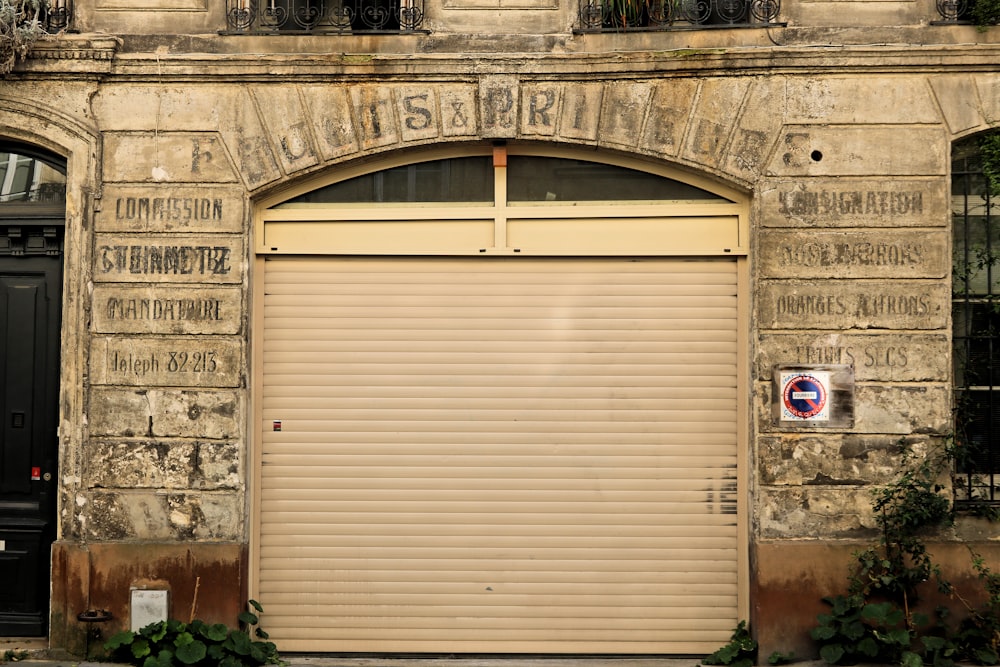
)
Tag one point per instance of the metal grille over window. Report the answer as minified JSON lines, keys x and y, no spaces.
{"x":976,"y":321}
{"x":324,"y":16}
{"x":954,"y":11}
{"x":624,"y":15}
{"x":56,"y":14}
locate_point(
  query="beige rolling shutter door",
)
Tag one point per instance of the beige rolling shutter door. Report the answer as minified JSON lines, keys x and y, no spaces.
{"x":488,"y":455}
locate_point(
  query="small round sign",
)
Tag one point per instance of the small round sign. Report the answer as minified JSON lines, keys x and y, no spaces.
{"x":804,"y":396}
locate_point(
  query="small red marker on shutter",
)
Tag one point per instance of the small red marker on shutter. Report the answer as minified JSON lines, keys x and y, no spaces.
{"x":277,"y":424}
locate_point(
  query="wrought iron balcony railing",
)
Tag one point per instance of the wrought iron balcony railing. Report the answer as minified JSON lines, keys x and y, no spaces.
{"x":55,"y":15}
{"x":954,"y":11}
{"x":619,"y":15}
{"x":324,"y":16}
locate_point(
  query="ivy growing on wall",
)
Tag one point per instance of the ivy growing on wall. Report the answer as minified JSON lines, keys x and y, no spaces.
{"x":989,"y":149}
{"x":21,"y":24}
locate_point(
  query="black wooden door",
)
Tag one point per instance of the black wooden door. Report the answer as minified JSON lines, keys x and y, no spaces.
{"x":30,"y":306}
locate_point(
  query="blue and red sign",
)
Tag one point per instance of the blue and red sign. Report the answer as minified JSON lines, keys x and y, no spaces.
{"x":804,"y":396}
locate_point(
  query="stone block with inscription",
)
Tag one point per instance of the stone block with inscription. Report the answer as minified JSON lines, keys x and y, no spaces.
{"x":375,"y":115}
{"x":146,"y":258}
{"x":624,"y":112}
{"x":569,"y":110}
{"x":185,"y":134}
{"x":882,"y":253}
{"x":167,"y":309}
{"x":669,"y":115}
{"x":853,"y":202}
{"x":290,"y":128}
{"x":187,"y":209}
{"x":419,"y":112}
{"x":180,"y":157}
{"x":828,"y":304}
{"x":540,"y":108}
{"x":166,"y":362}
{"x":499,"y":102}
{"x":887,"y":357}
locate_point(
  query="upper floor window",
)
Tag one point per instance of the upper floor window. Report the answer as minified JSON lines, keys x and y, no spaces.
{"x":32,"y":201}
{"x":612,"y":15}
{"x":324,"y":16}
{"x":976,"y":322}
{"x":27,"y":179}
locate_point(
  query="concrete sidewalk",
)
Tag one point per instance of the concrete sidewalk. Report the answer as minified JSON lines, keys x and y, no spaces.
{"x":512,"y":661}
{"x":34,"y":652}
{"x":333,"y":661}
{"x":40,"y":659}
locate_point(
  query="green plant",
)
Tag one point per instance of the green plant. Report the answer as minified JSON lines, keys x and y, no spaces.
{"x":14,"y":655}
{"x":986,"y":13}
{"x":172,"y":643}
{"x":905,"y":510}
{"x":779,"y":658}
{"x":978,"y":636}
{"x":625,"y":13}
{"x":989,"y":143}
{"x":20,"y":26}
{"x":858,"y":631}
{"x":878,"y":620}
{"x":741,"y":651}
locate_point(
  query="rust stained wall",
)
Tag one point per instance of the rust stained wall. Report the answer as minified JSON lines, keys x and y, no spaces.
{"x":101,"y":576}
{"x":792,"y":578}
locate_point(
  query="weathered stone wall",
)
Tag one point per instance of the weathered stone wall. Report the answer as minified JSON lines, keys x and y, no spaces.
{"x":850,"y":262}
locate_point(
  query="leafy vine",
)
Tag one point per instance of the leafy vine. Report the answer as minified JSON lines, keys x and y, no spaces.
{"x":989,"y":143}
{"x":878,"y":620}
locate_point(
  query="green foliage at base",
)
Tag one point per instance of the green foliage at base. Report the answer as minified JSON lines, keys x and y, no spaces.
{"x":741,"y":651}
{"x":14,"y":655}
{"x":855,"y":631}
{"x":879,"y":621}
{"x":173,"y":644}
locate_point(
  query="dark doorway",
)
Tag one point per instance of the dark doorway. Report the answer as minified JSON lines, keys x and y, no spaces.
{"x":32,"y":210}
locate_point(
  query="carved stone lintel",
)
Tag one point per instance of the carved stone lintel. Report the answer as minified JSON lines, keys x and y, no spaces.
{"x":74,"y":47}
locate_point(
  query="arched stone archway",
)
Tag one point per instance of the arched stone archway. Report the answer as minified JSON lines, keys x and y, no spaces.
{"x":73,"y":143}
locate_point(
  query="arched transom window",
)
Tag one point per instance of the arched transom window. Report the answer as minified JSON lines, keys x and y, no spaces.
{"x":505,"y":201}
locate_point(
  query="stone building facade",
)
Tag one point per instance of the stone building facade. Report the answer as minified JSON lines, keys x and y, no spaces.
{"x":824,"y":137}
